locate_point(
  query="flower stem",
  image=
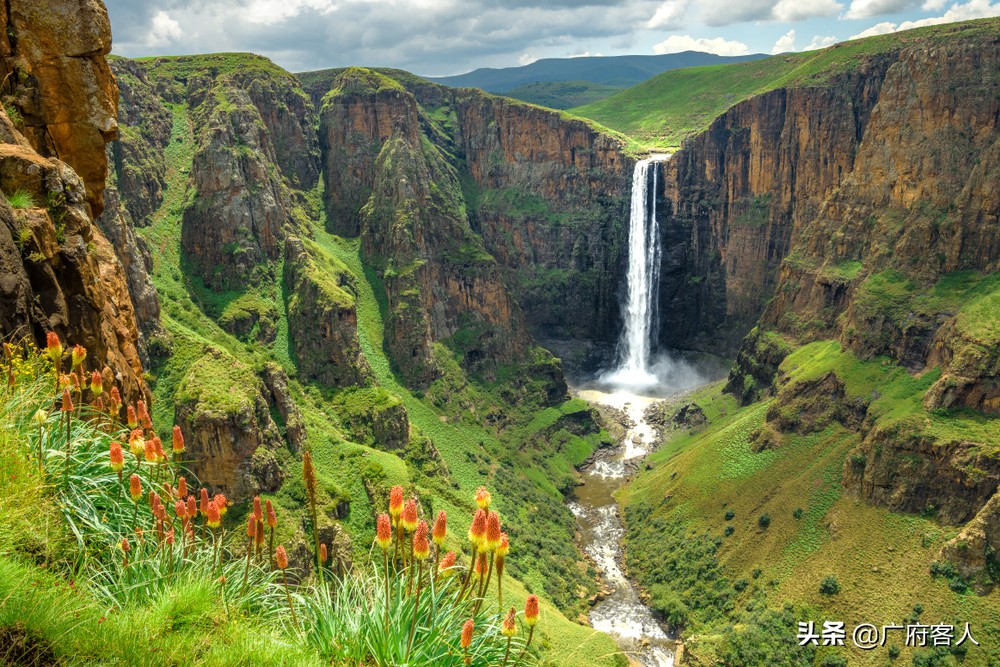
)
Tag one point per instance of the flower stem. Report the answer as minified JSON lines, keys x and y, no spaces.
{"x":506,"y":653}
{"x":416,"y":606}
{"x":288,"y":596}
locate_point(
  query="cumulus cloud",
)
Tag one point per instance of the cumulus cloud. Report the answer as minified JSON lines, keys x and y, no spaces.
{"x":785,"y":43}
{"x":863,"y":9}
{"x":973,"y":9}
{"x":820,"y":42}
{"x":669,"y":15}
{"x":163,"y":30}
{"x":717,"y":45}
{"x":726,"y":12}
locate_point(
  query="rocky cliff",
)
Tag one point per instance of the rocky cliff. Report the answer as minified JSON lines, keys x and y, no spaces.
{"x":59,"y":271}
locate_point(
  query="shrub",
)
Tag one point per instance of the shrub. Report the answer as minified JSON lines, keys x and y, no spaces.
{"x":728,"y":531}
{"x":833,"y":660}
{"x":764,"y":520}
{"x":829,"y":585}
{"x":740,"y":585}
{"x":797,"y":513}
{"x":730,"y":514}
{"x":894,"y":651}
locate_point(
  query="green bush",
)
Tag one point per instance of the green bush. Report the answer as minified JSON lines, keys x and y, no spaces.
{"x":833,"y":660}
{"x":729,"y":515}
{"x":894,"y":651}
{"x":797,"y":514}
{"x":728,"y":531}
{"x":764,"y":521}
{"x":829,"y":585}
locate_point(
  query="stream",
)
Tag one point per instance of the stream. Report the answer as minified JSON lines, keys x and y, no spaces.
{"x":622,"y":613}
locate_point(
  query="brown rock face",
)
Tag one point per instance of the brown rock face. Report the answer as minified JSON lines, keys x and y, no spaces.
{"x":974,"y":549}
{"x":57,"y":270}
{"x":223,"y":412}
{"x":235,"y":224}
{"x":53,"y":58}
{"x":323,"y":321}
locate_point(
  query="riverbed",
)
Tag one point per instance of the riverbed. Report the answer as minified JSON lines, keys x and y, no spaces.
{"x":622,"y":614}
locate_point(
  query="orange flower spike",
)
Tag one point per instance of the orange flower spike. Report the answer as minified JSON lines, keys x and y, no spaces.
{"x":221,"y":503}
{"x":509,"y":627}
{"x":182,"y":487}
{"x":467,"y":629}
{"x":96,"y":384}
{"x":477,"y":532}
{"x":214,"y":518}
{"x":258,"y":514}
{"x":136,"y":443}
{"x":170,"y":537}
{"x":421,"y":549}
{"x":410,"y":515}
{"x":272,"y":519}
{"x":383,"y":531}
{"x":281,"y":558}
{"x":131,"y":419}
{"x":395,"y":502}
{"x":79,"y":355}
{"x":67,"y":401}
{"x":447,"y":562}
{"x":440,"y":528}
{"x":177,"y":443}
{"x":483,"y":498}
{"x":192,"y":508}
{"x":150,"y":451}
{"x":116,"y":401}
{"x":125,"y":545}
{"x":492,"y":540}
{"x":504,"y":548}
{"x":180,"y":509}
{"x":251,"y":527}
{"x":54,"y":348}
{"x":323,"y":554}
{"x":117,"y":457}
{"x":135,"y":487}
{"x":161,"y":456}
{"x":144,"y":415}
{"x":531,"y":610}
{"x":203,"y":502}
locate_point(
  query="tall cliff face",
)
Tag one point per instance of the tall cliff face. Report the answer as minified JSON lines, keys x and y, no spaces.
{"x":545,"y":199}
{"x":864,"y":211}
{"x":62,"y":86}
{"x":59,"y":271}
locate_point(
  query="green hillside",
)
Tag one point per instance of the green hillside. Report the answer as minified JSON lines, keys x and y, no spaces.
{"x":662,"y":112}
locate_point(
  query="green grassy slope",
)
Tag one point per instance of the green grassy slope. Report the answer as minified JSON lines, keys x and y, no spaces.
{"x":662,"y":112}
{"x":472,"y":455}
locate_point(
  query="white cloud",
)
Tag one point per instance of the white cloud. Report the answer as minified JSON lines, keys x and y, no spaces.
{"x":820,"y":42}
{"x":526,"y":59}
{"x":163,"y":30}
{"x":785,"y":43}
{"x":669,"y":15}
{"x":863,"y":9}
{"x":973,"y":9}
{"x":269,"y":12}
{"x":717,"y":45}
{"x":797,"y":10}
{"x":934,"y":5}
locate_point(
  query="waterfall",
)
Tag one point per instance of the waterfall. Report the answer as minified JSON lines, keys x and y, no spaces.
{"x":635,"y":348}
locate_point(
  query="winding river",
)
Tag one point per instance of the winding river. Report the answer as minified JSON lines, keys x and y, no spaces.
{"x":621,"y":613}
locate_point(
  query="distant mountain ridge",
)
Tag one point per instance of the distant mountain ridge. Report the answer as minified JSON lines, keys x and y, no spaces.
{"x":618,"y":71}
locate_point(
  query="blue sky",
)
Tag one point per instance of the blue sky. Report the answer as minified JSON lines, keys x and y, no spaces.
{"x":441,"y":37}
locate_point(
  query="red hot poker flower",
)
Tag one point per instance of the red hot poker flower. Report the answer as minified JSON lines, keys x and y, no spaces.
{"x":251,"y":527}
{"x":258,"y":515}
{"x":214,"y":519}
{"x":54,"y":348}
{"x":509,"y":628}
{"x":192,"y":508}
{"x":67,"y":401}
{"x":410,"y":515}
{"x":117,"y":457}
{"x":383,"y":531}
{"x":531,"y":610}
{"x":440,"y":528}
{"x":467,"y":629}
{"x":322,"y":553}
{"x":281,"y":558}
{"x":221,"y":503}
{"x":135,"y":488}
{"x":182,"y":487}
{"x":395,"y":501}
{"x":492,"y":540}
{"x":272,"y":519}
{"x":477,"y":532}
{"x":177,"y":443}
{"x":483,"y":498}
{"x":180,"y":509}
{"x":421,"y":549}
{"x":96,"y":384}
{"x":79,"y":354}
{"x":203,"y":502}
{"x":447,"y":562}
{"x":131,"y":419}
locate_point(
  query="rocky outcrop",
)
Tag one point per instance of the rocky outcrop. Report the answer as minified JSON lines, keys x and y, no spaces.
{"x":376,"y":417}
{"x":322,"y":319}
{"x":231,"y":439}
{"x":235,"y":225}
{"x":276,"y":381}
{"x":974,"y":550}
{"x":56,"y":77}
{"x":58,"y":272}
{"x":360,"y":112}
{"x":971,"y":363}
